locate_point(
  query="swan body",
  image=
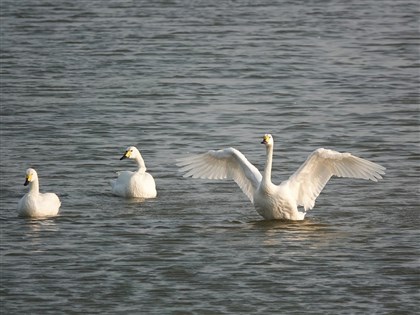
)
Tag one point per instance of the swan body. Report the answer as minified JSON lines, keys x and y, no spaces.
{"x":138,"y":184}
{"x":35,"y":204}
{"x":280,"y":201}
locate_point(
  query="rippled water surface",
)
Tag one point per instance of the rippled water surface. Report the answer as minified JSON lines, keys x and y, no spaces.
{"x":82,"y":80}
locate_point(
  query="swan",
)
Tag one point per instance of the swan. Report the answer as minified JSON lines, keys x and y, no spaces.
{"x":279,"y":201}
{"x":35,"y":204}
{"x":138,"y":184}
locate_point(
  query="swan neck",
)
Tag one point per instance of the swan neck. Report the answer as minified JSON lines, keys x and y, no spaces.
{"x":140,"y":163}
{"x":268,"y":165}
{"x":34,"y":187}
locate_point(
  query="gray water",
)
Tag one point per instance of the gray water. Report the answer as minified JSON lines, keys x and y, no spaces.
{"x":82,"y":80}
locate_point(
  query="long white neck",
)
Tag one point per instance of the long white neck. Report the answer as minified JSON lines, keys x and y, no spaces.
{"x":34,"y":187}
{"x":268,"y":165}
{"x":140,"y":163}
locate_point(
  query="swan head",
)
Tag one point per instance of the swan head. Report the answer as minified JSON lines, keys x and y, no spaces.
{"x":31,"y":176}
{"x":267,"y":140}
{"x":130,"y":153}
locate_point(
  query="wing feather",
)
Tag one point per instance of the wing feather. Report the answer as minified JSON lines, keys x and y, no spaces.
{"x":223,"y":164}
{"x":309,"y":180}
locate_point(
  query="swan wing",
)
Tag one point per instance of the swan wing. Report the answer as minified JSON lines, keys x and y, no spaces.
{"x":223,"y":164}
{"x":50,"y":201}
{"x":120,"y":184}
{"x":309,"y":180}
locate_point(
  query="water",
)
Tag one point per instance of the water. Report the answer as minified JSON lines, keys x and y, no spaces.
{"x":82,"y":80}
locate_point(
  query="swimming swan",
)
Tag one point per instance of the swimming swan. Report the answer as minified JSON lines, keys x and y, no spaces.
{"x":282,"y":201}
{"x":137,"y":184}
{"x":35,"y":204}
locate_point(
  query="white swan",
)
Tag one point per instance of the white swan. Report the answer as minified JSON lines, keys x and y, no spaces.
{"x":282,"y":201}
{"x":35,"y":204}
{"x":137,"y":184}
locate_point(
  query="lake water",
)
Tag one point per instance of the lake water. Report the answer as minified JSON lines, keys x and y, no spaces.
{"x":82,"y":80}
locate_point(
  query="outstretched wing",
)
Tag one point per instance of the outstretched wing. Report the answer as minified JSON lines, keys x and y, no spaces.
{"x":309,"y":180}
{"x":223,"y":164}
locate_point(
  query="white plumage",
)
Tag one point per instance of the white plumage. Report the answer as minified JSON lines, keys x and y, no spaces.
{"x":138,"y":184}
{"x":35,"y":204}
{"x":280,"y":201}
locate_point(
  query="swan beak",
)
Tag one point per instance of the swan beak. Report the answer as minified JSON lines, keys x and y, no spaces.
{"x":266,"y":139}
{"x":27,"y":181}
{"x":126,"y":155}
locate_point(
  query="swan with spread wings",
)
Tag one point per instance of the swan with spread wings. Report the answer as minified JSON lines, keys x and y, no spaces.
{"x":280,"y":201}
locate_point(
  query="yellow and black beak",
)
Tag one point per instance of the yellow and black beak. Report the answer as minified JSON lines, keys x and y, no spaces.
{"x":265,"y":140}
{"x":28,"y":180}
{"x":126,"y":155}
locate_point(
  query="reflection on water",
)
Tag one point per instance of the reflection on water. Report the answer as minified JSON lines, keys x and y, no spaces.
{"x":33,"y":227}
{"x":277,"y":231}
{"x":35,"y":230}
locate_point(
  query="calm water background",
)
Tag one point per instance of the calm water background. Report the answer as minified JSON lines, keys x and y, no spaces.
{"x":82,"y":80}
